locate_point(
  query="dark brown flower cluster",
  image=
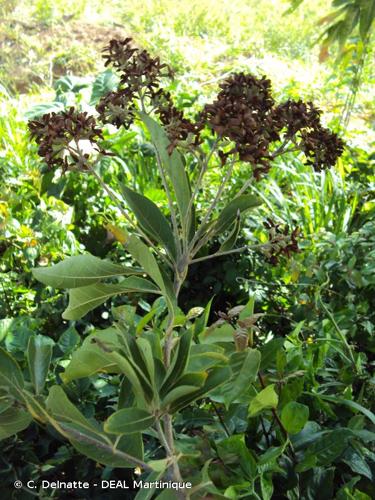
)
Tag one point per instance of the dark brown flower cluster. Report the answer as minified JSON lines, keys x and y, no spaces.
{"x":140,"y":76}
{"x":59,"y":136}
{"x":242,"y":113}
{"x":244,"y":117}
{"x":321,"y":147}
{"x":297,"y":115}
{"x":281,"y":241}
{"x":178,"y":128}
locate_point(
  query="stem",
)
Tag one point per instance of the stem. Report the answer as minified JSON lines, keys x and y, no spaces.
{"x":169,"y":331}
{"x":339,"y":332}
{"x":198,"y":185}
{"x":170,"y":202}
{"x":279,"y":422}
{"x":224,"y":425}
{"x":167,"y":441}
{"x":83,"y":438}
{"x":211,"y":208}
{"x":228,"y":252}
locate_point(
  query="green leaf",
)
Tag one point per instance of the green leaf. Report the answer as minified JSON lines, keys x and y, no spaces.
{"x":87,"y":437}
{"x":172,"y":164}
{"x":104,"y":83}
{"x":235,"y":454}
{"x":229,"y":213}
{"x":269,"y":351}
{"x":13,"y":420}
{"x":214,"y":334}
{"x":244,"y":374}
{"x":216,"y":377}
{"x":39,"y":353}
{"x":347,"y":402}
{"x":179,"y":362}
{"x":90,"y":358}
{"x":10,"y":375}
{"x":231,"y":239}
{"x":205,"y":356}
{"x":68,"y":340}
{"x":151,"y":219}
{"x":84,"y":299}
{"x":128,"y":421}
{"x":367,"y":15}
{"x":264,"y":400}
{"x":80,"y":270}
{"x":142,"y":254}
{"x":5,"y":327}
{"x":294,"y":417}
{"x":330,"y":445}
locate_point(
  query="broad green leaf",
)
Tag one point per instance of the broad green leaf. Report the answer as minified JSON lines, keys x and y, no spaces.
{"x":231,"y":239}
{"x":68,"y":340}
{"x":11,"y":378}
{"x":87,"y":437}
{"x":84,"y":299}
{"x":294,"y":417}
{"x":179,"y":361}
{"x":104,"y":83}
{"x":148,"y":493}
{"x":244,"y":374}
{"x":142,"y":254}
{"x":214,"y":334}
{"x":90,"y":358}
{"x":229,"y":213}
{"x":330,"y":445}
{"x":269,"y":351}
{"x":264,"y":400}
{"x":235,"y":454}
{"x":13,"y":420}
{"x":205,"y":356}
{"x":151,"y":219}
{"x":201,"y":323}
{"x":39,"y":353}
{"x":172,"y":164}
{"x":216,"y":377}
{"x":347,"y":402}
{"x":5,"y":327}
{"x":187,"y":384}
{"x":80,"y":270}
{"x":128,"y":421}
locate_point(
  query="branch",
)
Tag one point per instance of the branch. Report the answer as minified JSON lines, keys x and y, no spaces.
{"x":227,"y":252}
{"x":211,"y":208}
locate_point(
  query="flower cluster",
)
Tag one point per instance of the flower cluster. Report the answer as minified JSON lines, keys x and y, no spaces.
{"x":244,"y":117}
{"x":245,"y":113}
{"x":60,"y":138}
{"x":178,"y":128}
{"x":321,"y":147}
{"x":281,"y":241}
{"x":242,"y":113}
{"x":140,"y":76}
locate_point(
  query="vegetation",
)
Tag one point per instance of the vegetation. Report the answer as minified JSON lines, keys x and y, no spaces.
{"x":245,"y":210}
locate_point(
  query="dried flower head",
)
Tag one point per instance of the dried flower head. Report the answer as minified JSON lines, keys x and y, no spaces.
{"x":60,"y":135}
{"x":281,"y":241}
{"x":321,"y":147}
{"x":297,"y":115}
{"x":242,"y":114}
{"x":178,"y":128}
{"x":245,"y":113}
{"x":117,"y":108}
{"x":140,"y":76}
